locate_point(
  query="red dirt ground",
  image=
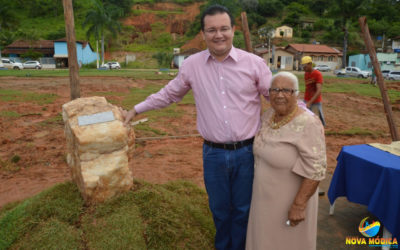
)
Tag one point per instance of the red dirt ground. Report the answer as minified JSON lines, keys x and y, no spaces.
{"x":38,"y":139}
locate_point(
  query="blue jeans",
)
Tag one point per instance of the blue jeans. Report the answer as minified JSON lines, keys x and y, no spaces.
{"x":316,"y":108}
{"x":228,"y":177}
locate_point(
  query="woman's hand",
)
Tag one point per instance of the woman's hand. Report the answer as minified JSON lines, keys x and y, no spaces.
{"x":297,"y":214}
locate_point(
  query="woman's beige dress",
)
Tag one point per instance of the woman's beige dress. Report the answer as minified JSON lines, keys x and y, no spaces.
{"x":283,"y":158}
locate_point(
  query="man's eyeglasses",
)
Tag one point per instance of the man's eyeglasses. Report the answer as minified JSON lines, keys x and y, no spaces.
{"x":285,"y":91}
{"x":213,"y":31}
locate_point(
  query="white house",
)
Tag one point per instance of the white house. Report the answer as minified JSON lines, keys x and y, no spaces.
{"x":284,"y":32}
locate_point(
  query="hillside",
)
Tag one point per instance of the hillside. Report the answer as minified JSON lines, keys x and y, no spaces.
{"x":149,"y":27}
{"x":177,"y":18}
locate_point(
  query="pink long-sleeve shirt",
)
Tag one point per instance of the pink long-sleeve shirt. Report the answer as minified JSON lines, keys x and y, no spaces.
{"x":227,"y":94}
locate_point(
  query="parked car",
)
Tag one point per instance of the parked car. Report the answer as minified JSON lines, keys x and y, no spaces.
{"x":394,"y":75}
{"x":32,"y":65}
{"x":10,"y":64}
{"x":112,"y":65}
{"x":385,"y":73}
{"x":322,"y":68}
{"x":339,"y":72}
{"x":354,"y":72}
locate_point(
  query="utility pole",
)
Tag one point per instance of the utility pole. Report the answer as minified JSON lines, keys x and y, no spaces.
{"x":71,"y":45}
{"x":246,"y":32}
{"x":372,"y":54}
{"x":97,"y":53}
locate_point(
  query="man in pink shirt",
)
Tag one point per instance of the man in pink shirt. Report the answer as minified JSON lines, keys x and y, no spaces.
{"x":227,"y":83}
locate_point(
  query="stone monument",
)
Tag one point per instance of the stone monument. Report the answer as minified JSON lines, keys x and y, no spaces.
{"x":99,"y":147}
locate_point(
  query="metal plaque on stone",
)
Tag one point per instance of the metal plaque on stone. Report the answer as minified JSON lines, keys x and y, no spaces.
{"x":107,"y":116}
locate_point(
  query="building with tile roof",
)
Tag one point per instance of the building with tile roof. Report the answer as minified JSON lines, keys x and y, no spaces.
{"x":55,"y":52}
{"x":321,"y":54}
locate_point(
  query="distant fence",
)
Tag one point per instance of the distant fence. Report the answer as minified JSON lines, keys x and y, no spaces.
{"x":48,"y":62}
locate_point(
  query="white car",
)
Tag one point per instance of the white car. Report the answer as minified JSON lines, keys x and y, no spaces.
{"x":10,"y":64}
{"x":385,"y":73}
{"x":32,"y":65}
{"x":393,"y":75}
{"x":353,"y":71}
{"x":322,"y":68}
{"x":112,"y":65}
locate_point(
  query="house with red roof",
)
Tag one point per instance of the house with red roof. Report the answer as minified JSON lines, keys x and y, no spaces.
{"x":289,"y":57}
{"x":321,"y":54}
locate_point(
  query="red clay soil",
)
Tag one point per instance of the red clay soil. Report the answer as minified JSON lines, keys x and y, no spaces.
{"x":174,"y":23}
{"x":37,"y":137}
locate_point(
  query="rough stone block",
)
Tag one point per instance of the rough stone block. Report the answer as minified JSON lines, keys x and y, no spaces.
{"x":98,"y":154}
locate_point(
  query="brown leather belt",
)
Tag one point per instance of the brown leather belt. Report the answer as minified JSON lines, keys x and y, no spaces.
{"x":230,"y":146}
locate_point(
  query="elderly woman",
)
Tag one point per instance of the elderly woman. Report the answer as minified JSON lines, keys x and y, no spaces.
{"x":290,"y":161}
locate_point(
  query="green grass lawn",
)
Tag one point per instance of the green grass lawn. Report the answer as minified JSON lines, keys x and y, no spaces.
{"x":343,"y":85}
{"x":149,"y":74}
{"x":169,"y":216}
{"x":26,"y":96}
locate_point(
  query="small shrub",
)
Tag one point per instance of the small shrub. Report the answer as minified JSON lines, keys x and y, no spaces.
{"x":15,"y":158}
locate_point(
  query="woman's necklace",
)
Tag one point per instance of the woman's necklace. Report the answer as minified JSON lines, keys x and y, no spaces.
{"x":286,"y":119}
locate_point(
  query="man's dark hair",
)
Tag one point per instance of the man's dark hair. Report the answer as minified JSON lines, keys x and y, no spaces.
{"x":213,"y":10}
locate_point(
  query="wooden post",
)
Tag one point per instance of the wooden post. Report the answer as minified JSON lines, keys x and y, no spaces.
{"x":372,"y":54}
{"x":71,"y":45}
{"x":246,"y":32}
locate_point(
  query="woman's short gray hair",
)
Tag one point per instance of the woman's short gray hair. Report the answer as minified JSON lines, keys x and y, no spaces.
{"x":291,"y":77}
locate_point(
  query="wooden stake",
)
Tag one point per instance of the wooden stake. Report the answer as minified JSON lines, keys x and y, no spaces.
{"x":71,"y":45}
{"x":372,"y":54}
{"x":246,"y":32}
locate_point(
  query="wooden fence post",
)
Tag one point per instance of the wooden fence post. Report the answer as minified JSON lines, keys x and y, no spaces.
{"x":246,"y":32}
{"x":71,"y":45}
{"x":372,"y":54}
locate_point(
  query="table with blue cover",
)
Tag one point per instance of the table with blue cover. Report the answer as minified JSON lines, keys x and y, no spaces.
{"x":371,"y":177}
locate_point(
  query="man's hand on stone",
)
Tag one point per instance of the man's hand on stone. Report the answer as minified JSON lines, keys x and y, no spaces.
{"x":127,"y":115}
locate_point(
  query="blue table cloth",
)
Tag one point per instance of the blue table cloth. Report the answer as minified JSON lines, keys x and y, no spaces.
{"x":369,"y":176}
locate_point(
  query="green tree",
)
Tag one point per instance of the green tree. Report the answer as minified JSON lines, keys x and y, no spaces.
{"x":294,"y":12}
{"x":270,"y":7}
{"x":33,"y":55}
{"x":7,"y":20}
{"x":100,"y":20}
{"x":346,"y":11}
{"x":164,"y":59}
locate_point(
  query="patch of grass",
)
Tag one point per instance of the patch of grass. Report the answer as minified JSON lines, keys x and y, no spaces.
{"x":148,"y":63}
{"x":9,"y":95}
{"x":169,"y":216}
{"x":146,"y":130}
{"x":8,"y":207}
{"x":138,"y":95}
{"x":51,"y":234}
{"x":10,"y":166}
{"x":188,"y":99}
{"x":334,"y":86}
{"x":15,"y":158}
{"x":357,"y":131}
{"x":116,"y":224}
{"x":62,"y":203}
{"x":9,"y":114}
{"x":148,"y":74}
{"x":176,"y":216}
{"x":163,"y":13}
{"x":54,"y":120}
{"x":107,"y":93}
